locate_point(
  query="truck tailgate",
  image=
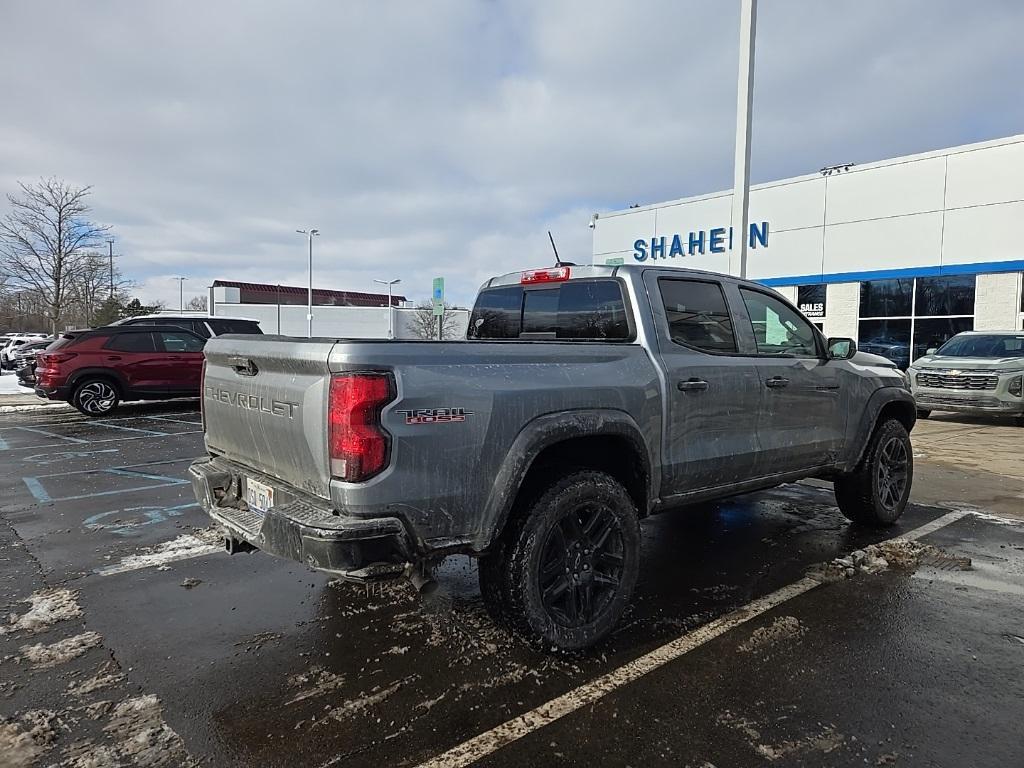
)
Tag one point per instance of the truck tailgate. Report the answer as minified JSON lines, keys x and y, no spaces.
{"x":265,"y":401}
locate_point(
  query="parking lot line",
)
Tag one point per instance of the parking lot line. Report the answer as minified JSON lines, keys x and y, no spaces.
{"x":151,"y":432}
{"x":512,"y":730}
{"x":105,"y":440}
{"x":54,"y":435}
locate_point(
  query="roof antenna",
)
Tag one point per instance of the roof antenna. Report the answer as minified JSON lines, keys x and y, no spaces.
{"x":558,"y":261}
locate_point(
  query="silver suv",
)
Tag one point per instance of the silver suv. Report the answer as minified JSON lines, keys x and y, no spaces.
{"x":974,"y":372}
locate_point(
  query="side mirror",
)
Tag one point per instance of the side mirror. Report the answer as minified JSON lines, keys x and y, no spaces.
{"x":931,"y":350}
{"x":841,"y":349}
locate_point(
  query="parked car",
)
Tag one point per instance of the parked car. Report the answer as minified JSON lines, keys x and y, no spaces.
{"x":974,"y":372}
{"x":585,"y":399}
{"x":96,"y":369}
{"x":24,"y":361}
{"x":14,"y":343}
{"x":206,"y":327}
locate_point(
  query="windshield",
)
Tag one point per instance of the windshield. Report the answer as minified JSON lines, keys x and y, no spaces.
{"x":1003,"y":345}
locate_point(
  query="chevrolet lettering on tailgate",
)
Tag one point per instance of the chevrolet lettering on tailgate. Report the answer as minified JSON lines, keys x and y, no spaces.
{"x":252,"y":402}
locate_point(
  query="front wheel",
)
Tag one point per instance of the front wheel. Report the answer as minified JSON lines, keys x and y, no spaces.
{"x":95,"y":397}
{"x":564,"y":571}
{"x":877,"y":491}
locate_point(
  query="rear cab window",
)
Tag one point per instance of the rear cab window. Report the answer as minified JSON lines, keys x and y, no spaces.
{"x":575,"y":310}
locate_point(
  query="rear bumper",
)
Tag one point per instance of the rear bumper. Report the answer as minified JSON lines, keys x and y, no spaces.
{"x":303,"y":528}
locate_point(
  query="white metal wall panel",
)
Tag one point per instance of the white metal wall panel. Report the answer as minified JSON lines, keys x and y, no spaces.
{"x":617,"y":233}
{"x":894,"y":190}
{"x":790,"y":206}
{"x":694,"y":217}
{"x":897,"y":243}
{"x":984,"y":176}
{"x":985,"y":233}
{"x":793,"y":252}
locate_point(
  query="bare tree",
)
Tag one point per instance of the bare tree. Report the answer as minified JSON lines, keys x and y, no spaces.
{"x":196,"y":303}
{"x":423,"y":323}
{"x":45,"y":242}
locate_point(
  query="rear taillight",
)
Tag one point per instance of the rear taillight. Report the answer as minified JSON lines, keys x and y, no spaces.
{"x":358,"y":442}
{"x":202,"y":395}
{"x":550,"y":275}
{"x":49,"y":359}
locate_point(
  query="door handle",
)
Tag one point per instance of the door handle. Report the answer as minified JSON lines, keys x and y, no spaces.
{"x":777,"y":382}
{"x":692,"y":385}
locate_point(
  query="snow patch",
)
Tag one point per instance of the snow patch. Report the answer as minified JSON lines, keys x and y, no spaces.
{"x":46,"y":607}
{"x":62,"y":651}
{"x":204,"y":542}
{"x":783,"y":628}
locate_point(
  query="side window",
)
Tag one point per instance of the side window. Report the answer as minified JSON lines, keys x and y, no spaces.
{"x":778,"y":329}
{"x":592,"y":309}
{"x":497,"y":314}
{"x":199,"y":329}
{"x":180,"y":342}
{"x":131,"y":342}
{"x":697,"y":314}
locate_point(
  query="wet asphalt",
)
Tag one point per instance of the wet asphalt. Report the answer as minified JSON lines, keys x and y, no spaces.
{"x":250,"y":660}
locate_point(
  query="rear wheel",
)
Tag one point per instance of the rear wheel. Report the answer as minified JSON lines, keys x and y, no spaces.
{"x":95,"y":397}
{"x":876,"y":492}
{"x":564,"y":571}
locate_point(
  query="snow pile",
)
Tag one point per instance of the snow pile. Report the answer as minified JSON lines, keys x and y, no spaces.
{"x":46,"y":607}
{"x":9,"y":386}
{"x":21,"y":748}
{"x":894,"y":553}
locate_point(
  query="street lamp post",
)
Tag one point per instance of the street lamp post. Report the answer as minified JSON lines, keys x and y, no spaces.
{"x":744,"y":104}
{"x":181,"y":293}
{"x":391,"y":311}
{"x":309,"y":233}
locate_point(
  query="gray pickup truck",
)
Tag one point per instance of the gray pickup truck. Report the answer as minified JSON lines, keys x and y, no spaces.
{"x":585,"y":399}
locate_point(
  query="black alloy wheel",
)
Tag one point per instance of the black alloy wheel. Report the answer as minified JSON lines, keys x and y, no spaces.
{"x":892,"y":472}
{"x":581,"y":565}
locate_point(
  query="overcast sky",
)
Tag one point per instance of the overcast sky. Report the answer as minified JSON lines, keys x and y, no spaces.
{"x":445,"y":138}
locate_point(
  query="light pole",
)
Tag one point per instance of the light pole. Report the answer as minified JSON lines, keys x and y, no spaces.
{"x":110,"y":245}
{"x":391,"y":312}
{"x":744,"y":103}
{"x":181,"y":293}
{"x":309,"y":233}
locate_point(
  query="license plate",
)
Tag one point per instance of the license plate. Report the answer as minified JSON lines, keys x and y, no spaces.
{"x":258,"y":496}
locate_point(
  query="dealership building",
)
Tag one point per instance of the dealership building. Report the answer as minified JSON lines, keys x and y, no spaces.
{"x":899,"y":254}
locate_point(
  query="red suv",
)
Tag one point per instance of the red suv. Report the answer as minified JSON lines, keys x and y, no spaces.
{"x":95,"y":369}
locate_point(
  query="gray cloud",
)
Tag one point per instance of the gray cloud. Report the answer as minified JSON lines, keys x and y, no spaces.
{"x":446,"y":137}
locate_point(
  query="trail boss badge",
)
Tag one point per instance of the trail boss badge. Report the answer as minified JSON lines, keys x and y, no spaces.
{"x":435,"y":415}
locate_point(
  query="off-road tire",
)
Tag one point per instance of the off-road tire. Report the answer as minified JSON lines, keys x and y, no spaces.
{"x":511,"y":574}
{"x":923,"y":414}
{"x":867,"y":494}
{"x":95,"y":396}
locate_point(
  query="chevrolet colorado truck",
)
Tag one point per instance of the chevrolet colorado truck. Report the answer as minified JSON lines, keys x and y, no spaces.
{"x":585,"y":399}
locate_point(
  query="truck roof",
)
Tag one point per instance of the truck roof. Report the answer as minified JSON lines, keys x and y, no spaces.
{"x":583,"y":271}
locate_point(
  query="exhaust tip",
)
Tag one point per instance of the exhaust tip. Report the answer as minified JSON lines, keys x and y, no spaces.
{"x":424,"y":584}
